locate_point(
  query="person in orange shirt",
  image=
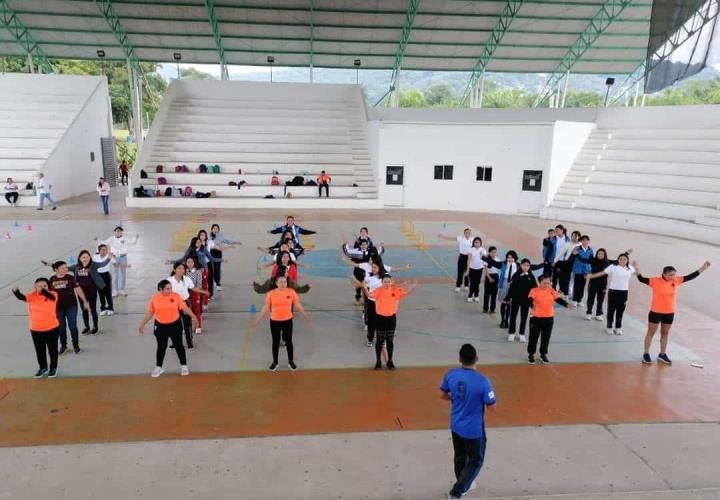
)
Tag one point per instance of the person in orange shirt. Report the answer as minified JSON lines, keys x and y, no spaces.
{"x":662,"y":307}
{"x":166,"y":307}
{"x":542,"y":303}
{"x":280,"y":303}
{"x":44,"y":325}
{"x":387,"y":299}
{"x":324,"y":182}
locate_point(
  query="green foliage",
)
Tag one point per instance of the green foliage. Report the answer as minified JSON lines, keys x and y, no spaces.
{"x":195,"y":74}
{"x":441,"y":95}
{"x":584,"y":100}
{"x":693,"y":92}
{"x":412,"y":99}
{"x":126,"y":151}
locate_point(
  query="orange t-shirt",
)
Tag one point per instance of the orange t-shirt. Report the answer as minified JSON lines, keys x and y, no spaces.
{"x":166,"y":308}
{"x":280,"y":303}
{"x":543,"y":302}
{"x":323,"y":179}
{"x":387,"y":300}
{"x":663,"y":294}
{"x":41,"y":311}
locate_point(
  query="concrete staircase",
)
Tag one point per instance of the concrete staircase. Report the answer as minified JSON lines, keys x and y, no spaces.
{"x":653,"y":180}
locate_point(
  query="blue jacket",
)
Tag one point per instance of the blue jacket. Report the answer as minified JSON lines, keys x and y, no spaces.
{"x":548,"y":250}
{"x":581,"y":262}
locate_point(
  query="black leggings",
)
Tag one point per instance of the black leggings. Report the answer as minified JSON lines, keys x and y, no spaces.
{"x":187,"y":328}
{"x":524,"y":308}
{"x":211,"y":279}
{"x":216,"y":266}
{"x":617,"y":300}
{"x":46,"y":341}
{"x":282,"y":329}
{"x":370,"y":319}
{"x":106,"y":300}
{"x":385,"y":335}
{"x":11,"y":197}
{"x":461,"y":267}
{"x":91,"y":294}
{"x":561,"y":276}
{"x":596,"y":292}
{"x":172,"y":331}
{"x":475,"y":276}
{"x":490,"y":294}
{"x":327,"y":189}
{"x":578,"y":287}
{"x":540,"y":328}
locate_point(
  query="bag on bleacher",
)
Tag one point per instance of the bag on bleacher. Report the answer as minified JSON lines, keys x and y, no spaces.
{"x":239,"y":171}
{"x":202,"y":168}
{"x":158,"y":193}
{"x":139,"y":192}
{"x":311,"y":183}
{"x":187,"y":191}
{"x":275,"y":181}
{"x":162,"y":181}
{"x":232,"y":183}
{"x":298,"y":180}
{"x":143,"y":174}
{"x":216,"y":169}
{"x":268,"y":196}
{"x":168,"y":191}
{"x":159,"y":169}
{"x":29,"y":185}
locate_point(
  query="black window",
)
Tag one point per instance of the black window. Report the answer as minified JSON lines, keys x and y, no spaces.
{"x":394,"y":175}
{"x":484,"y":174}
{"x":532,"y":180}
{"x":443,"y":172}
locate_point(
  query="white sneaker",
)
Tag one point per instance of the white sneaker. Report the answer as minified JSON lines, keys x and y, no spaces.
{"x":609,"y":331}
{"x":198,"y":331}
{"x":477,"y":299}
{"x":103,"y":313}
{"x":469,"y":299}
{"x":511,"y":337}
{"x":588,"y":317}
{"x":457,"y":289}
{"x":523,"y":339}
{"x":618,"y":331}
{"x":109,"y":313}
{"x":599,"y":318}
{"x":472,"y":487}
{"x":184,"y":371}
{"x":365,"y":327}
{"x":157,"y":372}
{"x":114,"y":294}
{"x":464,"y":287}
{"x":123,"y":293}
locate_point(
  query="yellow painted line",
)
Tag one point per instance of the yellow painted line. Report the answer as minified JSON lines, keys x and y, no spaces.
{"x":246,"y":345}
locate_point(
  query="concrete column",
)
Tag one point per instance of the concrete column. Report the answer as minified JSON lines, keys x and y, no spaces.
{"x":395,"y":94}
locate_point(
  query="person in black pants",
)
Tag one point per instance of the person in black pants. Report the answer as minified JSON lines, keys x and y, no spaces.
{"x":43,"y":325}
{"x":517,"y":296}
{"x":542,"y":301}
{"x":105,"y":292}
{"x":490,"y":288}
{"x":464,"y":244}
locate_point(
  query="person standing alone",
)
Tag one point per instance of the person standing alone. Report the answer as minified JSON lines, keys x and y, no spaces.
{"x":103,"y":189}
{"x":43,"y":191}
{"x":123,"y":173}
{"x":469,"y":393}
{"x":324,"y":182}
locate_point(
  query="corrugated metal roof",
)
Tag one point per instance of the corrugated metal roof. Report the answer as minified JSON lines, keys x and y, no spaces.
{"x":447,"y":35}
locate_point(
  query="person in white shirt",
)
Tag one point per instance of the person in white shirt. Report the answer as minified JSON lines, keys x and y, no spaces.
{"x":43,"y":190}
{"x":182,"y":285}
{"x":464,"y":244}
{"x":475,"y":268}
{"x":103,"y":189}
{"x":105,"y":293}
{"x":561,"y":267}
{"x":11,"y":192}
{"x":618,"y":286}
{"x":118,"y":245}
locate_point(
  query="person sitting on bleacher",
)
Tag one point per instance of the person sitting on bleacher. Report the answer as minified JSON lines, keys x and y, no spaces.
{"x":324,"y":182}
{"x":11,"y":192}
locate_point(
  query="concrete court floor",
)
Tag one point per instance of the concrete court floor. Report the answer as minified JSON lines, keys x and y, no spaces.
{"x":334,"y":340}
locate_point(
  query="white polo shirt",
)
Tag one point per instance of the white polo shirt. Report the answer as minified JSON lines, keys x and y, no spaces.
{"x":619,"y":277}
{"x":464,"y":245}
{"x":475,"y":255}
{"x":183,"y":287}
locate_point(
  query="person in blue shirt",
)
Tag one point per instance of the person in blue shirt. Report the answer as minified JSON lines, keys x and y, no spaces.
{"x":582,"y":254}
{"x":469,"y":393}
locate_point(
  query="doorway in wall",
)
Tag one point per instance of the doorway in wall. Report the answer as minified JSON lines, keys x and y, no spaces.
{"x":394,"y":185}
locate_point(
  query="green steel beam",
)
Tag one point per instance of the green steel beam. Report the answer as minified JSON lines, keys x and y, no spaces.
{"x":312,"y":36}
{"x":21,"y":35}
{"x":501,"y":26}
{"x":602,"y":20}
{"x":218,"y":39}
{"x":233,"y":4}
{"x":407,"y":28}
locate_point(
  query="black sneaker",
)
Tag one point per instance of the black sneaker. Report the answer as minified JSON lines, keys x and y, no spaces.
{"x":93,"y":331}
{"x":378,"y":365}
{"x":52,"y":373}
{"x":77,"y":349}
{"x":85,"y":331}
{"x":485,"y":311}
{"x":40,"y":373}
{"x":273,"y":367}
{"x":503,"y":324}
{"x":62,"y":350}
{"x":531,"y":359}
{"x":663,"y":358}
{"x":390,"y":365}
{"x":191,"y":346}
{"x":647,"y":360}
{"x":292,"y":366}
{"x":54,"y":208}
{"x":544,"y":359}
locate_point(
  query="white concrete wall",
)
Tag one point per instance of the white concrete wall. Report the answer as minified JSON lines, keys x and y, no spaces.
{"x":568,"y":139}
{"x":508,"y":148}
{"x":697,"y":117}
{"x":69,"y":168}
{"x":484,"y":115}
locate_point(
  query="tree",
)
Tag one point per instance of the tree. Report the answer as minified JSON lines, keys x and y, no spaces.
{"x":440,"y":95}
{"x":195,"y":74}
{"x":584,"y":100}
{"x":412,"y":99}
{"x":508,"y":98}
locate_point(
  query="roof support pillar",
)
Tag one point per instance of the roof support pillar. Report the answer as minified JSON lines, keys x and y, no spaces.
{"x":135,"y":104}
{"x":412,"y":8}
{"x":312,"y":36}
{"x":395,"y":91}
{"x":565,"y":89}
{"x":210,"y":7}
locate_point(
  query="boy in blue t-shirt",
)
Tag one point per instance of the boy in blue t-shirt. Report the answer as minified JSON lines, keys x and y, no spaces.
{"x":469,"y":392}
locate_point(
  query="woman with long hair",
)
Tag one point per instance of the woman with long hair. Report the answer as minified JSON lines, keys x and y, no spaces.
{"x":285,"y":266}
{"x":87,"y":275}
{"x":103,"y":189}
{"x":475,"y":268}
{"x":218,"y":242}
{"x":196,"y":275}
{"x":619,"y":272}
{"x":182,"y":285}
{"x":165,"y":306}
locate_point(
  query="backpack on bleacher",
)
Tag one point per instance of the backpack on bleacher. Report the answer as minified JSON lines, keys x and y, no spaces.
{"x":232,"y":183}
{"x":187,"y":191}
{"x":275,"y":181}
{"x":159,"y":169}
{"x":162,"y":181}
{"x":216,"y":169}
{"x":168,"y":191}
{"x":143,"y":174}
{"x":202,"y":168}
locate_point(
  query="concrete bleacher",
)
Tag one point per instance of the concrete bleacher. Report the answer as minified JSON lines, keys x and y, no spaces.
{"x":291,"y":129}
{"x":37,"y":112}
{"x":662,"y":180}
